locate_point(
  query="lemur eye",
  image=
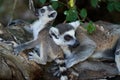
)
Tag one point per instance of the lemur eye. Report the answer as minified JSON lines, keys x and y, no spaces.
{"x":42,"y":10}
{"x":68,"y":37}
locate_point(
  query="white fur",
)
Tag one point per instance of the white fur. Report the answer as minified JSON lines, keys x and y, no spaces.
{"x":54,"y":30}
{"x":63,"y":69}
{"x":37,"y":26}
{"x":64,"y":78}
{"x":60,"y":61}
{"x":117,"y":60}
{"x":75,"y":24}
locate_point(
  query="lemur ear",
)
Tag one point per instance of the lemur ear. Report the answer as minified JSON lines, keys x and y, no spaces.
{"x":50,"y":6}
{"x":54,"y":32}
{"x":75,"y":24}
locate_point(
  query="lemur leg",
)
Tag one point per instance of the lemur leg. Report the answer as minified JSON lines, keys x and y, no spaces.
{"x":81,"y":55}
{"x":42,"y":59}
{"x":117,"y":55}
{"x":27,"y":45}
{"x":62,"y":69}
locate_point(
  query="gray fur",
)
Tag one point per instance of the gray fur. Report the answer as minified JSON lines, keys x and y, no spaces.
{"x":90,"y":49}
{"x":64,"y":28}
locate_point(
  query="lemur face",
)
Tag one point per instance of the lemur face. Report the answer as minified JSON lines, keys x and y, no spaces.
{"x":47,"y":13}
{"x":64,"y":35}
{"x":68,"y":39}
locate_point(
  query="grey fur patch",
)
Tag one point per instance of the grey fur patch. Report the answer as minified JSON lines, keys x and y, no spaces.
{"x":64,"y":27}
{"x":49,"y":8}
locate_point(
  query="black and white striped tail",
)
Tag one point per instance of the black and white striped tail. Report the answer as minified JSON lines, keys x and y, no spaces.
{"x":62,"y":68}
{"x":13,"y":43}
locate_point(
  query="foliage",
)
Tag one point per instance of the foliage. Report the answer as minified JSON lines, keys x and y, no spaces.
{"x":113,"y":5}
{"x":42,"y":1}
{"x":71,"y":10}
{"x":55,"y":4}
{"x":94,"y":3}
{"x":71,"y":14}
{"x":90,"y":27}
{"x":83,"y":13}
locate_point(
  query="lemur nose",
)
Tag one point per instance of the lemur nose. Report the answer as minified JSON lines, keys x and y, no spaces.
{"x":77,"y":43}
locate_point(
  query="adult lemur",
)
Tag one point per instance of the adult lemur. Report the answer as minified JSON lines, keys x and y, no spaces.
{"x":98,"y":46}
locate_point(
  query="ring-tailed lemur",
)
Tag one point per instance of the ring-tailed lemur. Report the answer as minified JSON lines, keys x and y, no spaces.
{"x":46,"y":15}
{"x":98,"y":46}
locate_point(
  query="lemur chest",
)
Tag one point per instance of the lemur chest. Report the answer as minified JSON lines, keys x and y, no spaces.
{"x":36,"y":32}
{"x":37,"y":27}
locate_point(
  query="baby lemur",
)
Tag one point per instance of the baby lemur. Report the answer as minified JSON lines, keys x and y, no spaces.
{"x":46,"y":15}
{"x":98,"y":46}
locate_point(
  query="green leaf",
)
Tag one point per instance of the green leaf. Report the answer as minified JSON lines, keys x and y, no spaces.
{"x":94,"y":3}
{"x":117,"y":6}
{"x":1,"y":2}
{"x":83,"y":13}
{"x":55,"y":4}
{"x":110,"y":7}
{"x":42,"y":1}
{"x":71,"y":14}
{"x":90,"y":27}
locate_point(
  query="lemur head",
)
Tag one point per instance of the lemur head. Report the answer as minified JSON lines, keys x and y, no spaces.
{"x":47,"y":13}
{"x":64,"y":34}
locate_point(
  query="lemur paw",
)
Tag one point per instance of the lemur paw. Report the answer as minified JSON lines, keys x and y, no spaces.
{"x":16,"y":50}
{"x":55,"y":70}
{"x":33,"y":56}
{"x":57,"y":73}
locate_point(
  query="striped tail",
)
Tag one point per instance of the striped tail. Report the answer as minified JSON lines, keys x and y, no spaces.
{"x":62,"y":68}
